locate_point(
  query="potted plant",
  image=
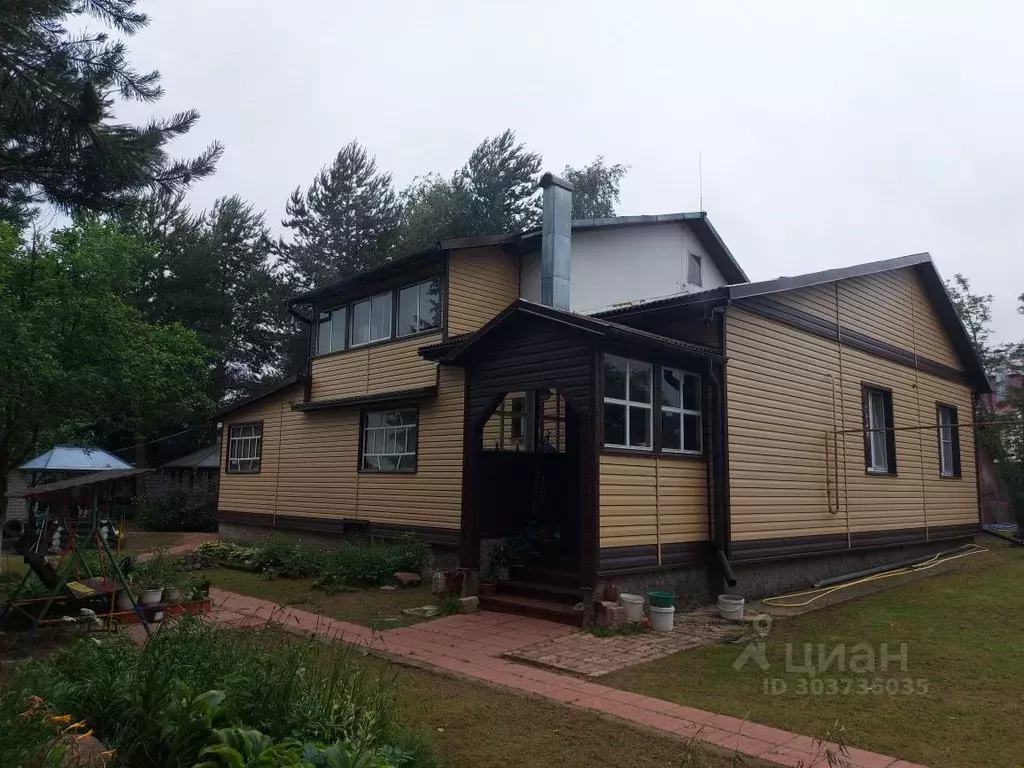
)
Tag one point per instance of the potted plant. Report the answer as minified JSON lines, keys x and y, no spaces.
{"x":147,"y":579}
{"x":489,"y":580}
{"x":175,"y":588}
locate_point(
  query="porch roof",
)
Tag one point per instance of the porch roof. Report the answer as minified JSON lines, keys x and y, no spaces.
{"x":456,"y":348}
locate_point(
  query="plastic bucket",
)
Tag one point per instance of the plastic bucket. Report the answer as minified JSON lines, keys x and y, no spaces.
{"x":634,"y":605}
{"x":661,"y":618}
{"x":661,"y":599}
{"x":730,"y":607}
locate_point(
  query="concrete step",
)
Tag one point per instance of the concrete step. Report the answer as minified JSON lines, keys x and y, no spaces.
{"x":541,"y":590}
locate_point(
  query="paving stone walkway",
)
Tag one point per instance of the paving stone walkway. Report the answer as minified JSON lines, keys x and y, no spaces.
{"x":472,"y":645}
{"x":585,"y":654}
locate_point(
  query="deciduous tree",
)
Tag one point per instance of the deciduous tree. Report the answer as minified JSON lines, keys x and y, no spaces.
{"x":595,"y":188}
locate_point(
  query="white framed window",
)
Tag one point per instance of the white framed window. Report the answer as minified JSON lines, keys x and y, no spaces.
{"x":680,"y":411}
{"x":949,"y":441}
{"x":390,"y":440}
{"x":628,"y":407}
{"x":419,"y":307}
{"x":245,"y":448}
{"x":694,"y":274}
{"x":879,"y":440}
{"x":371,"y":319}
{"x":330,"y":333}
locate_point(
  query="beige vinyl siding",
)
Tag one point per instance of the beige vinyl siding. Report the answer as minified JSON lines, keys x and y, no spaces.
{"x":481,"y":283}
{"x":371,"y":370}
{"x":891,"y":307}
{"x":780,"y":389}
{"x":648,"y":499}
{"x":310,"y":465}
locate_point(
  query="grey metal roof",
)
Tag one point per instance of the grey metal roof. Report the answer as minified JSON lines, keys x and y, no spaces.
{"x":83,"y":481}
{"x":523,"y":242}
{"x":71,"y":458}
{"x":204,"y":458}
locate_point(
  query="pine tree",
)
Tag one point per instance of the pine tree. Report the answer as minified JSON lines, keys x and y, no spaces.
{"x":345,"y":222}
{"x":213,"y":273}
{"x":58,"y":141}
{"x":495,"y":192}
{"x":595,"y":188}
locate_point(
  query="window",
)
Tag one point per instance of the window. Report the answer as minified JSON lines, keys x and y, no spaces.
{"x":949,"y":441}
{"x":389,"y":441}
{"x":627,"y":403}
{"x":245,"y":448}
{"x":330,"y":335}
{"x":879,"y":438}
{"x":517,"y":425}
{"x":419,"y":307}
{"x":693,"y":271}
{"x":680,"y":411}
{"x":371,"y":319}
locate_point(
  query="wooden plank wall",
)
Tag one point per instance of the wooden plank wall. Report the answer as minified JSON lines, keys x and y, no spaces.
{"x":647,"y":499}
{"x":481,"y":283}
{"x":310,"y":464}
{"x":780,"y":388}
{"x":371,"y":370}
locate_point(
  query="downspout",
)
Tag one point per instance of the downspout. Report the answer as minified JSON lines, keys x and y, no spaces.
{"x":721,"y":521}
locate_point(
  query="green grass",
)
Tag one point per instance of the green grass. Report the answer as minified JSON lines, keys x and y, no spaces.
{"x":963,"y":632}
{"x":471,"y":725}
{"x":377,"y":608}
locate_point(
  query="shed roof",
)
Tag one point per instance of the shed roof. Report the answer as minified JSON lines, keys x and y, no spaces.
{"x":83,"y":481}
{"x":72,"y":458}
{"x":204,"y":458}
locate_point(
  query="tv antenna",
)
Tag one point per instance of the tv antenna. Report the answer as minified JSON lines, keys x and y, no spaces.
{"x":700,"y":178}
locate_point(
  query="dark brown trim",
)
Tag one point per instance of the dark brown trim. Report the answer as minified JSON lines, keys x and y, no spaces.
{"x":619,"y":559}
{"x":446,"y":271}
{"x":724,"y":478}
{"x":590,"y":429}
{"x":684,"y":553}
{"x":362,"y":431}
{"x":339,"y":525}
{"x":766,"y":550}
{"x":227,"y":450}
{"x":975,"y":398}
{"x":957,"y":467}
{"x":396,"y":397}
{"x":826,"y":329}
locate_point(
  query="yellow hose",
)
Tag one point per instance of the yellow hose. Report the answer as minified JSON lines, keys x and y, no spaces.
{"x":825,"y":591}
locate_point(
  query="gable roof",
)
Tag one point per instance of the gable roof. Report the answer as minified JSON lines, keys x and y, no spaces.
{"x":921,"y":263}
{"x":525,"y":242}
{"x":273,"y":389}
{"x":72,"y":458}
{"x":453,"y":351}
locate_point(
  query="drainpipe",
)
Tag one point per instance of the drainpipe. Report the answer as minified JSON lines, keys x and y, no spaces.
{"x":308,"y":384}
{"x":721,"y":524}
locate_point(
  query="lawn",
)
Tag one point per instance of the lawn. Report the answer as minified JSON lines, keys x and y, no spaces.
{"x":959,"y":702}
{"x":376,"y":608}
{"x":472,"y":725}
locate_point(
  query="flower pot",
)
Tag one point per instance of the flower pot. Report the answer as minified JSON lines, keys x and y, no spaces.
{"x":124,"y":602}
{"x":150,"y":597}
{"x":174,"y":595}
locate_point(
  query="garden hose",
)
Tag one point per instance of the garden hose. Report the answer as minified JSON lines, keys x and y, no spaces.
{"x":971,"y":549}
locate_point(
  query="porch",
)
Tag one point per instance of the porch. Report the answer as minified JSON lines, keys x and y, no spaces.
{"x":541,"y":425}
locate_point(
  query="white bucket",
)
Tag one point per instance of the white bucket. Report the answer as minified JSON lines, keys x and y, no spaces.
{"x":150,"y":597}
{"x":661,"y":618}
{"x":730,"y":607}
{"x":634,"y":605}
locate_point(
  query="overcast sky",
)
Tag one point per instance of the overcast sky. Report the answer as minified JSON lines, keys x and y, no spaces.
{"x":831,"y":134}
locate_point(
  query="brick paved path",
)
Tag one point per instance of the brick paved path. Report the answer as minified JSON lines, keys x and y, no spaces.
{"x":472,"y":644}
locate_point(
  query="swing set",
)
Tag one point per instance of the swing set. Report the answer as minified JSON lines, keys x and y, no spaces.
{"x":76,"y":520}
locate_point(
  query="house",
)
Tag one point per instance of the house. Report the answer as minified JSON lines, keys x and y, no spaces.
{"x":616,"y":394}
{"x":1006,"y":386}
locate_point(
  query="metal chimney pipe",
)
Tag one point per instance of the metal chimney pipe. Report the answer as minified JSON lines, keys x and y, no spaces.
{"x":555,"y":241}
